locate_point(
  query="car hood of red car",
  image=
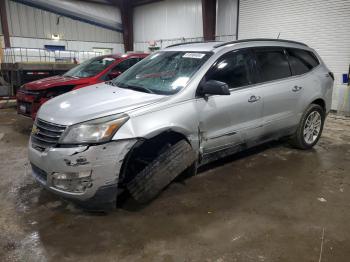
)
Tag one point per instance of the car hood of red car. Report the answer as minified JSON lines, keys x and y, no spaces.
{"x":54,"y":81}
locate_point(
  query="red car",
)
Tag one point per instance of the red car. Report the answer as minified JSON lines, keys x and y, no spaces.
{"x":99,"y":69}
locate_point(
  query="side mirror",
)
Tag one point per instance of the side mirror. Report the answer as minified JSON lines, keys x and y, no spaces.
{"x":213,"y":87}
{"x":114,"y":74}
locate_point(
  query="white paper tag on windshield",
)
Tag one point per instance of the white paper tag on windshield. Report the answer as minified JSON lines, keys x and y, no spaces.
{"x":194,"y":55}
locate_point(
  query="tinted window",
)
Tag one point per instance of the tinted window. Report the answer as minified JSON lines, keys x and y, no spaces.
{"x":234,"y":69}
{"x":301,"y":61}
{"x":273,"y":64}
{"x":90,"y":67}
{"x":125,"y":65}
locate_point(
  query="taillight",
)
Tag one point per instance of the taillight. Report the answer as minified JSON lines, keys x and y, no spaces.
{"x":331,"y":75}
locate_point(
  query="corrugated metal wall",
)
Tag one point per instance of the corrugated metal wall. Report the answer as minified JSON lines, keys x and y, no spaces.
{"x":323,"y":25}
{"x":226,"y":20}
{"x":103,"y":11}
{"x":171,"y":21}
{"x":31,"y":27}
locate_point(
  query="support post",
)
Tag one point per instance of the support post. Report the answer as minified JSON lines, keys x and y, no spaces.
{"x":209,"y":19}
{"x":127,"y":21}
{"x":4,"y":24}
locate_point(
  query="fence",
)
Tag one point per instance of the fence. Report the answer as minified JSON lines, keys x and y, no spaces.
{"x":35,"y":55}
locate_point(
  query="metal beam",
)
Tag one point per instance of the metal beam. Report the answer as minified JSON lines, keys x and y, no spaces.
{"x":127,"y":12}
{"x":4,"y":24}
{"x":209,"y":19}
{"x":237,"y":23}
{"x":61,"y":8}
{"x":133,"y":3}
{"x":144,"y":2}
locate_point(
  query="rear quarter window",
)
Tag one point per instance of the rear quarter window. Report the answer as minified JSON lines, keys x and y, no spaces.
{"x":301,"y":61}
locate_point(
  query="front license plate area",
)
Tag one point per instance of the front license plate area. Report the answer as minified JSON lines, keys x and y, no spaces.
{"x":23,"y":108}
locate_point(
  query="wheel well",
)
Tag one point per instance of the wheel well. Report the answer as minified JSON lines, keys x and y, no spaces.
{"x":167,"y":137}
{"x":146,"y":149}
{"x":320,"y":102}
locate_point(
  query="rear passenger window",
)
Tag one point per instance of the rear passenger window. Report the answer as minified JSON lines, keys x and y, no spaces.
{"x":273,"y":64}
{"x":235,"y":69}
{"x":301,"y":61}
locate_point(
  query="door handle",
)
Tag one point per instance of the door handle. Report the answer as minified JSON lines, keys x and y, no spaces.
{"x":296,"y":88}
{"x":253,"y":99}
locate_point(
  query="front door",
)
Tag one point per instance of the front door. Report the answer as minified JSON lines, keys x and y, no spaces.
{"x":229,"y":121}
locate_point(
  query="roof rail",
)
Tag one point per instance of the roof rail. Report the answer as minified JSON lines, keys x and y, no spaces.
{"x":258,"y":39}
{"x":194,"y":42}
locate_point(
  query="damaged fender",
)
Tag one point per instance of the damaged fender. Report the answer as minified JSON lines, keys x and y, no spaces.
{"x":104,"y":161}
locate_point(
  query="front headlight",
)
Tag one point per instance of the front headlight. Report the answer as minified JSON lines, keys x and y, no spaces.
{"x":94,"y":131}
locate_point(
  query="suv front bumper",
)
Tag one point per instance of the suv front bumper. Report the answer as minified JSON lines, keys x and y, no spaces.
{"x":103,"y":162}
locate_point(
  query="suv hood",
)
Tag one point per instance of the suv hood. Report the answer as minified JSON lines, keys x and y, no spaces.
{"x":93,"y":102}
{"x":54,"y":81}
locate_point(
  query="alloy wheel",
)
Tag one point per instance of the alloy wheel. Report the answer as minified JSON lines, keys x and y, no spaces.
{"x":312,"y":127}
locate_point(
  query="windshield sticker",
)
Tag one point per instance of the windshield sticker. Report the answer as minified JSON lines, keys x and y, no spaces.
{"x":194,"y":55}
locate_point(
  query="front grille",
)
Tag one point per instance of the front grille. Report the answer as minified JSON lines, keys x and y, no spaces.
{"x":39,"y":173}
{"x":45,"y":134}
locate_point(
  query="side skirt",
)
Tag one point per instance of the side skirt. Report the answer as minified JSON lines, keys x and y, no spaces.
{"x":233,"y":149}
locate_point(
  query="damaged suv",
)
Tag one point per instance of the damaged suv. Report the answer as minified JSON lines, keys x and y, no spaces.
{"x":179,"y":108}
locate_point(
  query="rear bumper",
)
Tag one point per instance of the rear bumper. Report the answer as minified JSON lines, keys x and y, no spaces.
{"x":103,"y":161}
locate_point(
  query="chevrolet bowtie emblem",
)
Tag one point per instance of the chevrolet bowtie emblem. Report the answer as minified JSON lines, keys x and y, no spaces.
{"x":35,"y":130}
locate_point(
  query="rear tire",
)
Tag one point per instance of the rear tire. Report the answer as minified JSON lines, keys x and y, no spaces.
{"x":161,"y":171}
{"x":310,"y":128}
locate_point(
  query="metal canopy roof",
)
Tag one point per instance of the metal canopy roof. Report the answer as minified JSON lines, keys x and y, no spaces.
{"x":64,"y":8}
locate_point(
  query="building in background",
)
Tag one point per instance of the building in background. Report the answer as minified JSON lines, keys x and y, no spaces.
{"x":31,"y":27}
{"x":323,"y":25}
{"x":167,"y":22}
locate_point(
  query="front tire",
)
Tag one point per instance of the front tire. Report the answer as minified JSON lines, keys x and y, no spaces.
{"x":310,"y":128}
{"x":170,"y":163}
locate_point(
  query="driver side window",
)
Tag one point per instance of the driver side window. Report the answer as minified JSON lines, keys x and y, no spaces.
{"x":235,"y":69}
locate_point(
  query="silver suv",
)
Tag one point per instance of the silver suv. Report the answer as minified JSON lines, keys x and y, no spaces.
{"x":179,"y":108}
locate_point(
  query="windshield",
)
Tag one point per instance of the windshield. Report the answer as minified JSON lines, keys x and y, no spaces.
{"x":90,"y":67}
{"x":163,"y":72}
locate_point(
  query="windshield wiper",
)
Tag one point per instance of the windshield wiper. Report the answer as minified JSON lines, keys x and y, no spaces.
{"x":111,"y":83}
{"x":141,"y":88}
{"x":136,"y":88}
{"x":74,"y":77}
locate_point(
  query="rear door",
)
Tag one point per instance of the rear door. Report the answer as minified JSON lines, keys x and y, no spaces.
{"x":312,"y":82}
{"x":281,"y":91}
{"x":228,"y":121}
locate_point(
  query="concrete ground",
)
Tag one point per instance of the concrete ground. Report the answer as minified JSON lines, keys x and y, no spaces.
{"x":273,"y":203}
